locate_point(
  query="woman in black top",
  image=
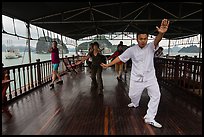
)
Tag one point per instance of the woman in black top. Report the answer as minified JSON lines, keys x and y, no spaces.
{"x":96,"y":69}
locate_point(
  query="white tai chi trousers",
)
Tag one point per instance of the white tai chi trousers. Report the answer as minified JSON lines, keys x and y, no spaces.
{"x":135,"y":92}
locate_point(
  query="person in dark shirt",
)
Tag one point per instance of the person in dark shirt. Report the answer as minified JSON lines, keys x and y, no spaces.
{"x":96,"y":69}
{"x":119,"y":65}
{"x":55,"y":64}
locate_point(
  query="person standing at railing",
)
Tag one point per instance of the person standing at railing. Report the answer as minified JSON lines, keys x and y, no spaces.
{"x":55,"y":64}
{"x":143,"y":72}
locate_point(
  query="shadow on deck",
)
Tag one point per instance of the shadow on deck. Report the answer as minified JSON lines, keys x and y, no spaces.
{"x":75,"y":108}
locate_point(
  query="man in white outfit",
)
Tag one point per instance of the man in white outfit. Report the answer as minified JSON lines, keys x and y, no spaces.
{"x":143,"y":72}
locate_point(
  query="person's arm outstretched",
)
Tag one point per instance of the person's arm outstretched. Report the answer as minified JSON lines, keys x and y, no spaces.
{"x":113,"y":55}
{"x":116,"y":60}
{"x":83,"y":59}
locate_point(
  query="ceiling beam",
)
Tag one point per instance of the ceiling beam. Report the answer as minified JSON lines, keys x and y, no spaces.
{"x":92,"y":18}
{"x":77,"y":14}
{"x":57,"y":14}
{"x":165,"y":10}
{"x":192,"y":13}
{"x":136,"y":16}
{"x":116,"y":21}
{"x":104,"y":13}
{"x":134,"y":11}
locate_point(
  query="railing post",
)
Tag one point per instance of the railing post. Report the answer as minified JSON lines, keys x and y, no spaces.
{"x":195,"y":58}
{"x":185,"y":57}
{"x":31,"y":76}
{"x":38,"y":71}
{"x":176,"y":74}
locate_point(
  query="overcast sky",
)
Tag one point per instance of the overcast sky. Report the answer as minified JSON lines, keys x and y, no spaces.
{"x":20,"y":29}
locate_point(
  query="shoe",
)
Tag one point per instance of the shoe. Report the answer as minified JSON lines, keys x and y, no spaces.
{"x":51,"y":86}
{"x":59,"y":82}
{"x":153,"y":123}
{"x":132,"y":105}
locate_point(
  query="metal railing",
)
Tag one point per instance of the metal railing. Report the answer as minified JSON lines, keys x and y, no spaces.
{"x":183,"y":74}
{"x":180,"y":73}
{"x":27,"y":77}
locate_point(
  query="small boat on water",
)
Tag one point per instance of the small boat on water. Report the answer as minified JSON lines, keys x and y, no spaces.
{"x":12,"y":54}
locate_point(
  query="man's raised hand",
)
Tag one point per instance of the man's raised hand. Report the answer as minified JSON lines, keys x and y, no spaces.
{"x":164,"y":26}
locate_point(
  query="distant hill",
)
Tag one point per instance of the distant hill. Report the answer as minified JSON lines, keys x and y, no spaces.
{"x":190,"y":49}
{"x":43,"y":45}
{"x":174,"y":49}
{"x":71,"y":49}
{"x":104,"y":43}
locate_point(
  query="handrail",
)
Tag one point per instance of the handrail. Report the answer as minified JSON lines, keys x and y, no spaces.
{"x":21,"y":75}
{"x":179,"y":73}
{"x":182,"y":74}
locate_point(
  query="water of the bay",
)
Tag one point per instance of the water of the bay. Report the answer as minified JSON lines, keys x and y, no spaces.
{"x":43,"y":57}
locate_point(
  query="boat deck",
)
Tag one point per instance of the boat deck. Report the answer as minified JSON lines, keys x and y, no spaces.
{"x":75,"y":109}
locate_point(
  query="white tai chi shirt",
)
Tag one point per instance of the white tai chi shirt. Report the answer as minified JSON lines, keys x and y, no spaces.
{"x":142,"y":62}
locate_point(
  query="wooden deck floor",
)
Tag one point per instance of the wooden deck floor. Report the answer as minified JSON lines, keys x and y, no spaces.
{"x":75,"y":108}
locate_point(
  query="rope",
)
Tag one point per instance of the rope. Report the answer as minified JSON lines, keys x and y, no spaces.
{"x":2,"y":26}
{"x":57,"y":39}
{"x":44,"y":35}
{"x":51,"y":35}
{"x":24,"y":52}
{"x":66,"y":41}
{"x":37,"y":32}
{"x":48,"y":36}
{"x":3,"y":31}
{"x":15,"y":28}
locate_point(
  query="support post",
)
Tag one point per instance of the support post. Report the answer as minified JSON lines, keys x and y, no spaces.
{"x":29,"y":54}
